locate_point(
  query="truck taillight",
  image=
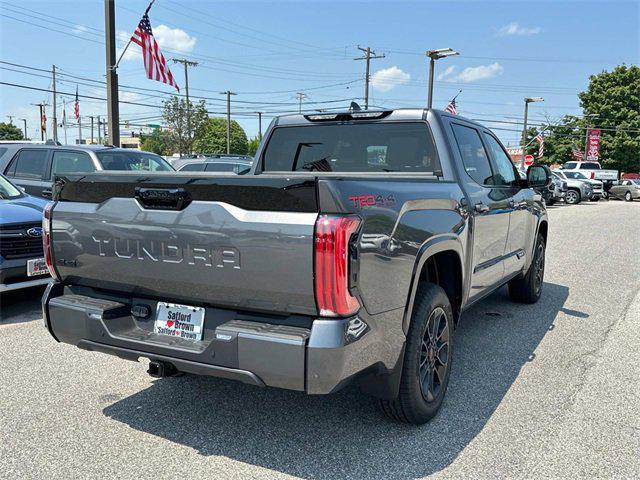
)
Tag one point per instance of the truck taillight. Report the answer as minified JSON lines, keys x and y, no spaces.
{"x":332,"y":258}
{"x":593,"y":175}
{"x":46,"y":239}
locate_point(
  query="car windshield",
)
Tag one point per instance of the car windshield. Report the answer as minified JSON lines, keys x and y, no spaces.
{"x":133,"y":161}
{"x":352,"y":147}
{"x":8,"y":190}
{"x":576,"y":175}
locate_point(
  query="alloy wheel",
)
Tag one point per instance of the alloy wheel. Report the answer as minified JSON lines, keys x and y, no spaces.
{"x":571,"y":197}
{"x":434,"y":355}
{"x":627,"y":196}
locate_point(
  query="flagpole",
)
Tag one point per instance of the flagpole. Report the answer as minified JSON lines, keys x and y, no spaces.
{"x":129,"y":42}
{"x":64,"y":120}
{"x":79,"y":130}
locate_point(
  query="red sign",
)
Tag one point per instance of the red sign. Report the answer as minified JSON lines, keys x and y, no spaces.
{"x":528,"y":160}
{"x":593,"y":145}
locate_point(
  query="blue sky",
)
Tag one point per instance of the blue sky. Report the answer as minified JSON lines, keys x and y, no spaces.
{"x":267,"y":51}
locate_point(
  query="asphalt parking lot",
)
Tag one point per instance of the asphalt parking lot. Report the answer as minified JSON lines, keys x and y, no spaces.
{"x":548,"y":390}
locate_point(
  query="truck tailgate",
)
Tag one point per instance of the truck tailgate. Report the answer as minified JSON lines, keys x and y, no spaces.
{"x":220,"y":249}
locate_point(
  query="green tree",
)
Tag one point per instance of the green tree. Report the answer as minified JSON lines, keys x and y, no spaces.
{"x":8,"y":131}
{"x":158,"y":142}
{"x":211,"y":137}
{"x":612,"y":102}
{"x":183,"y":129}
{"x":254,"y":143}
{"x":560,"y":138}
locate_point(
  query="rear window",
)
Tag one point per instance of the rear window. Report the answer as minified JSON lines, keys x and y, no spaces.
{"x":193,"y":167}
{"x":29,"y":164}
{"x":353,"y":147}
{"x":221,"y":167}
{"x":569,"y":165}
{"x":589,"y":166}
{"x":133,"y":161}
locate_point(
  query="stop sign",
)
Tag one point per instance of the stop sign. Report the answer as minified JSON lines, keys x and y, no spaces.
{"x":528,"y":160}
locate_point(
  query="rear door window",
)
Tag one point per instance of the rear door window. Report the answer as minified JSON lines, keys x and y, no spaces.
{"x":352,"y":147}
{"x":29,"y":164}
{"x":71,"y":162}
{"x":474,"y":157}
{"x":221,"y":167}
{"x":193,"y":167}
{"x":589,"y":166}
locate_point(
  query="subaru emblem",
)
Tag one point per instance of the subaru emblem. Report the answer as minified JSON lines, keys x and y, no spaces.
{"x":35,"y":232}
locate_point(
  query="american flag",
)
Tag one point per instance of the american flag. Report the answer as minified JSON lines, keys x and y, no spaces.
{"x":76,"y":106}
{"x":540,"y":140}
{"x":577,"y":154}
{"x":154,"y":62}
{"x":451,"y":107}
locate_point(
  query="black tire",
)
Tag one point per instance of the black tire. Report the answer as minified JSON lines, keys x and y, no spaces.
{"x":529,"y":288}
{"x":628,"y":197}
{"x":427,"y":359}
{"x":572,"y":197}
{"x":551,"y":201}
{"x":594,"y":199}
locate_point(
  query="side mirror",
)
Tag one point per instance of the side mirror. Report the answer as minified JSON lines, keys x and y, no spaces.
{"x":539,"y":176}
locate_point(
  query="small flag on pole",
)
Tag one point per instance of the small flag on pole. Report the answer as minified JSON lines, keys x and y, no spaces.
{"x":76,"y":107}
{"x":540,"y":140}
{"x":577,"y":154}
{"x":43,"y":121}
{"x":154,"y":62}
{"x":451,"y":107}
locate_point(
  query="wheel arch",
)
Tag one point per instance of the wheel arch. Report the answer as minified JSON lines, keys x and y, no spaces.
{"x":439,"y":261}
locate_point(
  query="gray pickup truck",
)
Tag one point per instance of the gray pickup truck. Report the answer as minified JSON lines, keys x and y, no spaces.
{"x":347,"y":254}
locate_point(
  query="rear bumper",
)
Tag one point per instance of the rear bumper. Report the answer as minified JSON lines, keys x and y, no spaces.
{"x":318,"y":360}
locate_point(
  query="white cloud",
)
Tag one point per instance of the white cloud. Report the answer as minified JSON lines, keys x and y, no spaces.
{"x":168,"y":39}
{"x":129,"y":96}
{"x":80,"y":29}
{"x":388,"y":78}
{"x":448,"y":72}
{"x":514,"y":28}
{"x":472,"y":74}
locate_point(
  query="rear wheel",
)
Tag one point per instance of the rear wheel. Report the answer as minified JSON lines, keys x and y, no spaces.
{"x":427,"y":359}
{"x":529,"y":288}
{"x":572,"y":197}
{"x":628,"y":197}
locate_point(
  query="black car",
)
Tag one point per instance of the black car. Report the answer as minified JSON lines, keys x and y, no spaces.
{"x":33,"y":167}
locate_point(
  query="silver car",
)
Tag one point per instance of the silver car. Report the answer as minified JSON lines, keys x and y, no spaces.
{"x":627,"y":189}
{"x":577,"y":190}
{"x":596,"y":185}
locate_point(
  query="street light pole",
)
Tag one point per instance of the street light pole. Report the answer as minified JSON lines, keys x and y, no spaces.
{"x":433,"y":56}
{"x":527,"y":101}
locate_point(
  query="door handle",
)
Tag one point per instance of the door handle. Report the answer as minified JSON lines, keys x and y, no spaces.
{"x":47,"y":193}
{"x":481,"y":207}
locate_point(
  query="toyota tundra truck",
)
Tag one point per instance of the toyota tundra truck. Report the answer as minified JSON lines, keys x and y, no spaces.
{"x":347,"y":254}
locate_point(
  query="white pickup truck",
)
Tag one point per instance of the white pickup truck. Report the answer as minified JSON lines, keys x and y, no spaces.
{"x":592,"y":170}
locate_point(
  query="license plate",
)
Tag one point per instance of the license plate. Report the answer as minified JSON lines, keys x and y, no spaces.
{"x":36,"y":266}
{"x":180,"y":321}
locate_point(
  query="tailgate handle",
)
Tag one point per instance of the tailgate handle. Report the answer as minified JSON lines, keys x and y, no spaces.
{"x":163,"y":198}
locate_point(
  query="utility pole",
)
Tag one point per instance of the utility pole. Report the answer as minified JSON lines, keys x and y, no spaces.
{"x":55,"y":110}
{"x":368,"y":56}
{"x":259,"y":125}
{"x":99,"y":136}
{"x":300,"y":96}
{"x":112,"y":75}
{"x":187,"y":63}
{"x":79,"y":130}
{"x":228,"y":93}
{"x":91,"y":117}
{"x":43,"y":124}
{"x":433,"y":56}
{"x":24,"y":120}
{"x":64,"y":120}
{"x":10,"y":119}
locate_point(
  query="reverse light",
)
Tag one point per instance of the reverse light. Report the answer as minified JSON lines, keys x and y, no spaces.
{"x":46,"y":240}
{"x":333,"y":235}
